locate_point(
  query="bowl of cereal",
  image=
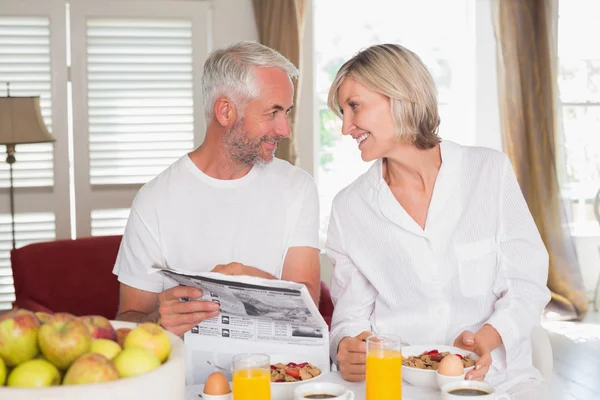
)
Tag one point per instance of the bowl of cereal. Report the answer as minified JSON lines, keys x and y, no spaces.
{"x":420,"y":363}
{"x":287,"y":373}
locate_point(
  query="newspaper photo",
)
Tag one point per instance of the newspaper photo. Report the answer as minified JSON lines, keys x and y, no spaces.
{"x":273,"y":317}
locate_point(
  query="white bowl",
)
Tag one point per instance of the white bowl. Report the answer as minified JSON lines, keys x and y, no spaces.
{"x":426,"y":378}
{"x":165,"y":382}
{"x":285,"y":390}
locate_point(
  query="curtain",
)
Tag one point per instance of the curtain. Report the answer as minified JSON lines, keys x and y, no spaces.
{"x":280,"y":26}
{"x":528,"y":90}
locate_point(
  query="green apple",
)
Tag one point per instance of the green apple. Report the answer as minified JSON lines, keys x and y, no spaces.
{"x":150,"y":336}
{"x":99,"y":327}
{"x":135,"y":361}
{"x":91,"y":368}
{"x":34,"y":373}
{"x":2,"y":372}
{"x":63,"y":339}
{"x":18,"y":337}
{"x":107,"y":348}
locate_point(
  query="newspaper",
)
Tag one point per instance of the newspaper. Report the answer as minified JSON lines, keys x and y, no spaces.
{"x":274,"y":317}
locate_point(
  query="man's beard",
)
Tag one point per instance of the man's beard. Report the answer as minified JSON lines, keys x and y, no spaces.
{"x":244,"y":150}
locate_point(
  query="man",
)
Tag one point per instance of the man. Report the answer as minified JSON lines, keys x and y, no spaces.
{"x":229,"y":206}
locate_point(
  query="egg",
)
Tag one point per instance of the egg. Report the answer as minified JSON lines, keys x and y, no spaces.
{"x":451,"y":365}
{"x":216,"y":384}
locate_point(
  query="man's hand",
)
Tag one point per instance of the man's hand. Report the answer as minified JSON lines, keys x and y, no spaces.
{"x":181,"y":316}
{"x":468,"y":341}
{"x":235,"y":268}
{"x":352,"y":357}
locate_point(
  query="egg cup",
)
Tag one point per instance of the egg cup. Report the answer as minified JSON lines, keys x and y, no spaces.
{"x":444,"y":379}
{"x":228,"y":396}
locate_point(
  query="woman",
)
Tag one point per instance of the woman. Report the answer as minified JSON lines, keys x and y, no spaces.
{"x":435,"y":242}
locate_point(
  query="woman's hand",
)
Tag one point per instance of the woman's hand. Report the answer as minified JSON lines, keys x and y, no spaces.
{"x":470,"y":342}
{"x":352,"y":357}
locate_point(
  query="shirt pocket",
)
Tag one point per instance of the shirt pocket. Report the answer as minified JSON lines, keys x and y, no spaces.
{"x":477,"y":265}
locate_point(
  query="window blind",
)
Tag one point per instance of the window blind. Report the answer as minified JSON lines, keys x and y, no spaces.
{"x":140,"y":97}
{"x":25,"y":64}
{"x":109,"y":221}
{"x":29,"y":228}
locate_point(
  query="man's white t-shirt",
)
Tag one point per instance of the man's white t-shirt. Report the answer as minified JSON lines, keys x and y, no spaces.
{"x":185,"y":220}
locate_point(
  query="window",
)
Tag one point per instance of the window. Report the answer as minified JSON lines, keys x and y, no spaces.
{"x":135,"y":100}
{"x":119,"y":91}
{"x":25,"y":66}
{"x":440,"y":38}
{"x":579,"y":84}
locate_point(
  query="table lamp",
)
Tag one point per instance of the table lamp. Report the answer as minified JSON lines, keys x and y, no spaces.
{"x":20,"y":122}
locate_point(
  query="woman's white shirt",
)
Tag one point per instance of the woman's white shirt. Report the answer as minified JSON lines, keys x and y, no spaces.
{"x":480,"y":259}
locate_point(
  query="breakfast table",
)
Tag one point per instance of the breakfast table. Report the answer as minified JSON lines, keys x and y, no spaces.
{"x":408,"y":392}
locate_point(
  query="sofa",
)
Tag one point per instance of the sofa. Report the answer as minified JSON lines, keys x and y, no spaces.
{"x":75,"y":276}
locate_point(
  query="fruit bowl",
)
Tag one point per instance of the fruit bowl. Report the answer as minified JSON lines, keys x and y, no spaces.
{"x":164,"y":382}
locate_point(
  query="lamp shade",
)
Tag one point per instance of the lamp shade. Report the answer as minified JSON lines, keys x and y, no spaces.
{"x":21,"y":121}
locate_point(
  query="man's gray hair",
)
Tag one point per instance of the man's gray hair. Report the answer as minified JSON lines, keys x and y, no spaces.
{"x":228,"y":72}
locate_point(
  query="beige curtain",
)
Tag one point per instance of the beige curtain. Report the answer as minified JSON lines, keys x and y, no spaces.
{"x":528,"y":102}
{"x":280,"y":26}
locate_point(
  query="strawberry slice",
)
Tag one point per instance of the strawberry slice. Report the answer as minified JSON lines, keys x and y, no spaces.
{"x":459,"y":356}
{"x":292,"y":365}
{"x":293,"y":373}
{"x":432,"y":352}
{"x":302,"y":365}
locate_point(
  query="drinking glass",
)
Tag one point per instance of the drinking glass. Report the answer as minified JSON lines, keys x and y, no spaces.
{"x":251,"y":377}
{"x":384,"y":368}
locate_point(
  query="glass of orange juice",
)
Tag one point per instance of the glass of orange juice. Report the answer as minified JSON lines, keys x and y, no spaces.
{"x":384,"y":368}
{"x":251,"y":377}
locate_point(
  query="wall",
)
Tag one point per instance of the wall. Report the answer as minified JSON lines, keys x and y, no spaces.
{"x":233,"y":21}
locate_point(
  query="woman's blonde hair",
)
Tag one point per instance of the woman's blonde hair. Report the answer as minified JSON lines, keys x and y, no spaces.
{"x":398,"y":73}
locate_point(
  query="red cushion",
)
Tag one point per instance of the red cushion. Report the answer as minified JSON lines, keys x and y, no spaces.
{"x":73,"y":276}
{"x":325,"y":304}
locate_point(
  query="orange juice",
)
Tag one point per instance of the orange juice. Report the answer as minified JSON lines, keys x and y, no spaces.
{"x":384,"y":375}
{"x":252,"y":384}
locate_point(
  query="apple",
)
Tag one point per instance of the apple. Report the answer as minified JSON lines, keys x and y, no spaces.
{"x":90,"y":368}
{"x":99,"y":327}
{"x":150,"y":336}
{"x":43,"y":317}
{"x":135,"y":361}
{"x":121,"y":335}
{"x":63,"y":339}
{"x":2,"y":372}
{"x":34,"y":373}
{"x":18,"y":337}
{"x":107,"y":348}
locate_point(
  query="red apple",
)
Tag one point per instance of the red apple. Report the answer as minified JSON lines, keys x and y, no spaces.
{"x":63,"y":339}
{"x":43,"y":317}
{"x":90,"y":368}
{"x":18,"y":337}
{"x":122,"y":335}
{"x":99,"y":327}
